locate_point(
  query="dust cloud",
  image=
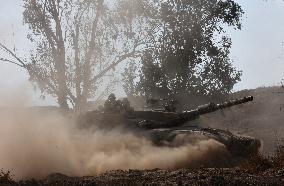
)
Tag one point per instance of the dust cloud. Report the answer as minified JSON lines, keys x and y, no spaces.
{"x":36,"y":144}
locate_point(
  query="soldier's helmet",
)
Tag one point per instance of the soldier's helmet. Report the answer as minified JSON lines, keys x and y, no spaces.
{"x":111,"y":97}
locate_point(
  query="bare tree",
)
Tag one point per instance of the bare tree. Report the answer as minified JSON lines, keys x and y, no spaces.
{"x":77,"y":45}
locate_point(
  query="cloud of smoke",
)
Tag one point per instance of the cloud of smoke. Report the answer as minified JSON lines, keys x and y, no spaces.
{"x":33,"y":144}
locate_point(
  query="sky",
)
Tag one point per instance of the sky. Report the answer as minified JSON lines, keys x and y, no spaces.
{"x":257,"y":50}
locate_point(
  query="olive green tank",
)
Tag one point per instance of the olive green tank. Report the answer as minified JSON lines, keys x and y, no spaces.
{"x":162,"y":126}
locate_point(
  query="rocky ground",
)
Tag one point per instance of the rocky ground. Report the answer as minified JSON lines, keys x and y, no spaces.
{"x":218,"y":177}
{"x":210,"y":177}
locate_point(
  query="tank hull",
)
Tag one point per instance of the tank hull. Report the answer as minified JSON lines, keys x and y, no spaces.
{"x":167,"y":128}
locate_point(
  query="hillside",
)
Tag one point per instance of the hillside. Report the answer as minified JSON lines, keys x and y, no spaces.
{"x":263,"y":118}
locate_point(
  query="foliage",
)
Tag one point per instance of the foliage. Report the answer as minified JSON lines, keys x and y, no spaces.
{"x":78,"y":44}
{"x":191,"y":55}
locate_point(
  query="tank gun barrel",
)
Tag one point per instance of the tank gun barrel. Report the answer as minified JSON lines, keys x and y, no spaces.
{"x":212,"y":107}
{"x":193,"y":114}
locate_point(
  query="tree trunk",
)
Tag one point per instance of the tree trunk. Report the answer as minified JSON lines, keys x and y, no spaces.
{"x":60,"y":62}
{"x":88,"y":57}
{"x":61,"y":78}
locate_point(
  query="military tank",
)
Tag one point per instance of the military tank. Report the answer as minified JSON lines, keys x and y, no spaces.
{"x":163,"y":126}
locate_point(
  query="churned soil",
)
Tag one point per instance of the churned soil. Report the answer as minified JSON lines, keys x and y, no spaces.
{"x":202,"y":177}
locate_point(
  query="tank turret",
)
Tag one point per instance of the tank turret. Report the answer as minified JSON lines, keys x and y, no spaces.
{"x":186,"y":116}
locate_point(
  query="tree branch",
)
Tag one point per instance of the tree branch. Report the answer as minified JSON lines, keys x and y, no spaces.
{"x":114,"y":64}
{"x":7,"y":60}
{"x":71,"y":96}
{"x":21,"y":62}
